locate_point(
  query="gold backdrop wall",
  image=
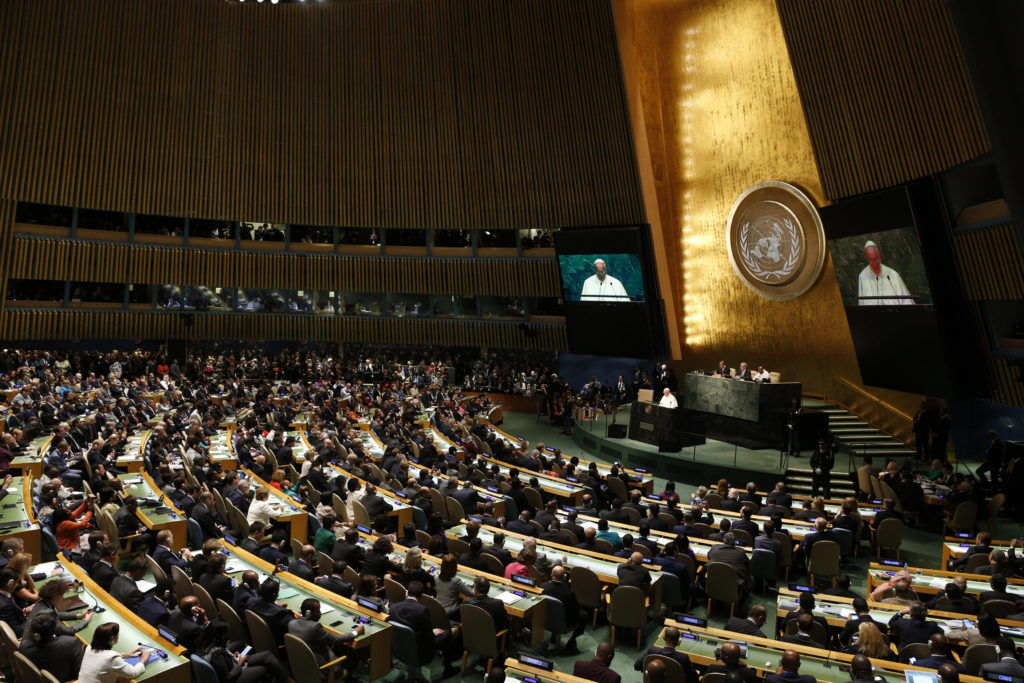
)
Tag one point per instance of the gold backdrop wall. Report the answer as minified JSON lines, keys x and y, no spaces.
{"x":722,"y":112}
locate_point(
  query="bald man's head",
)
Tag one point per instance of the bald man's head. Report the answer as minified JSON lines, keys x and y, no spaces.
{"x":605,"y":653}
{"x":791,"y":661}
{"x":860,"y":667}
{"x":557,"y":572}
{"x":636,"y":558}
{"x":730,"y":653}
{"x":251,"y":579}
{"x":656,"y":671}
{"x":948,"y":673}
{"x":937,"y":643}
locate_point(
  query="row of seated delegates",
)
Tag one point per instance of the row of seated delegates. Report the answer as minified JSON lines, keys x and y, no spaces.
{"x":743,"y":372}
{"x":1001,"y":561}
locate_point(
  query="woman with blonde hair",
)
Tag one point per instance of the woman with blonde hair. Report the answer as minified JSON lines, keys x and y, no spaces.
{"x":412,"y":570}
{"x":870,"y":643}
{"x":277,"y":479}
{"x":24,"y":592}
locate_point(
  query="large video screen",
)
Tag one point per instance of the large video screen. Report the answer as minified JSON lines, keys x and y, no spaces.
{"x":612,"y":307}
{"x":881,"y":268}
{"x":609,"y":278}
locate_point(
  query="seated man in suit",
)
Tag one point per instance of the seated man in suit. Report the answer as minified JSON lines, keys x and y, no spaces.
{"x":104,"y":571}
{"x":128,"y":524}
{"x":732,"y":502}
{"x":522,"y":525}
{"x":752,"y":624}
{"x":634,"y":573}
{"x":326,"y":646}
{"x":804,"y":626}
{"x":644,"y":540}
{"x":188,"y":622}
{"x":916,"y":629}
{"x":473,"y":558}
{"x":744,"y":523}
{"x":493,"y":606}
{"x":669,"y":650}
{"x":277,"y":617}
{"x":302,"y":566}
{"x":997,"y":564}
{"x":410,"y":612}
{"x":939,"y":654}
{"x":728,"y":553}
{"x":821,"y":533}
{"x":805,"y":606}
{"x":599,"y":669}
{"x":216,"y":582}
{"x":497,"y":548}
{"x":9,"y":610}
{"x":349,"y":551}
{"x":246,"y":593}
{"x":61,"y":655}
{"x":165,"y":557}
{"x":124,"y":588}
{"x":842,"y":588}
{"x":91,"y":556}
{"x":730,"y":656}
{"x":1007,"y":664}
{"x":789,"y":670}
{"x":982,"y":546}
{"x":277,"y":552}
{"x":251,"y":543}
{"x":861,"y":614}
{"x":575,"y":618}
{"x":336,"y":582}
{"x":998,"y":585}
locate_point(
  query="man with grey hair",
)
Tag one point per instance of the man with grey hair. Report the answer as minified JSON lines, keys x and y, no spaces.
{"x":997,"y":564}
{"x":634,"y":573}
{"x":729,"y":553}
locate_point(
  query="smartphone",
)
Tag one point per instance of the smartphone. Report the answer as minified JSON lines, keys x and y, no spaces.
{"x":246,"y":651}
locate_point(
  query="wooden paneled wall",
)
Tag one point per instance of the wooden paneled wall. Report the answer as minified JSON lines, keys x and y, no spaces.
{"x":43,"y":325}
{"x":45,"y":258}
{"x":990,"y":262}
{"x":884,"y":88}
{"x":393,"y":113}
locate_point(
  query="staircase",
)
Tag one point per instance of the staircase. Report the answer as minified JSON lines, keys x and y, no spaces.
{"x":856,"y":439}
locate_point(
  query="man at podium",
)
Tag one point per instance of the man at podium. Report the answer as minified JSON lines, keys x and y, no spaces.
{"x":667,"y":399}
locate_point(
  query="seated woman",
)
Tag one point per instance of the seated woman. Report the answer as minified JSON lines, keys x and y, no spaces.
{"x":450,"y":588}
{"x":101,"y":663}
{"x":869,"y":642}
{"x":368,"y":591}
{"x":68,"y":525}
{"x":413,"y":570}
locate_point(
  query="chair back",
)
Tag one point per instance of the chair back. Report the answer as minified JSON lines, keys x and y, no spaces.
{"x":404,"y":647}
{"x":537,"y":526}
{"x":705,"y":529}
{"x":393,"y":591}
{"x":158,"y":573}
{"x":617,"y":488}
{"x":339,"y":507}
{"x":195,"y":534}
{"x":324,"y":564}
{"x":301,"y":659}
{"x":722,"y":582}
{"x":351,"y":576}
{"x":889,"y":533}
{"x":818,"y":632}
{"x":762,"y":564}
{"x":534,"y":498}
{"x":965,"y":515}
{"x":744,"y":537}
{"x":205,"y":601}
{"x":864,"y":481}
{"x":976,"y":655}
{"x":673,"y":671}
{"x":296,"y":548}
{"x":633,"y":514}
{"x":876,"y":489}
{"x":1000,"y":609}
{"x":236,"y":629}
{"x":604,"y":546}
{"x":457,"y":547}
{"x":642,"y":549}
{"x":511,"y":509}
{"x":361,"y":515}
{"x":844,"y":537}
{"x":671,"y":591}
{"x":26,"y":671}
{"x":8,"y":642}
{"x":627,"y":607}
{"x":887,"y":492}
{"x":437,"y":502}
{"x":423,"y":538}
{"x":478,"y":634}
{"x":824,"y":560}
{"x":993,"y":508}
{"x":713,"y":677}
{"x":438,"y":617}
{"x":975,"y":562}
{"x":182,"y":584}
{"x":456,"y":513}
{"x":203,"y":671}
{"x":668,"y":519}
{"x":754,"y":507}
{"x":915,"y":651}
{"x":494,"y":565}
{"x":714,"y":501}
{"x":49,"y":541}
{"x":586,"y":587}
{"x":554,"y":616}
{"x":262,"y":636}
{"x":787,"y":548}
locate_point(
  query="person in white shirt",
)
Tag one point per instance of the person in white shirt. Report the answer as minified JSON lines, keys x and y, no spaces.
{"x":261,"y":509}
{"x":668,"y":400}
{"x":877,"y":281}
{"x":762,"y":375}
{"x":601,"y":286}
{"x":101,"y":663}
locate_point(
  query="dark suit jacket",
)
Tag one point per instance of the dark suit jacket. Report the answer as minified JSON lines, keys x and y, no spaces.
{"x":634,"y":575}
{"x":520,"y":527}
{"x":335,"y":584}
{"x":243,"y":599}
{"x":912,"y":630}
{"x":417,"y":617}
{"x":375,"y":505}
{"x":166,"y":558}
{"x":681,"y":657}
{"x":90,"y":558}
{"x":732,"y":556}
{"x":61,"y":656}
{"x":494,"y":607}
{"x":560,"y":591}
{"x":500,"y":553}
{"x":352,"y":555}
{"x":103,"y":574}
{"x":731,"y":505}
{"x":853,"y":625}
{"x":189,"y":632}
{"x":474,"y":562}
{"x":273,"y":555}
{"x":749,"y":674}
{"x":302,"y":570}
{"x":596,"y":671}
{"x":12,"y":614}
{"x":746,"y":525}
{"x":744,"y":626}
{"x":935,"y":661}
{"x":127,"y":523}
{"x":218,"y":586}
{"x":124,"y":590}
{"x":250,"y":545}
{"x":788,"y":677}
{"x":801,"y":639}
{"x":277,"y":617}
{"x":207,"y":522}
{"x":1006,"y":667}
{"x":325,"y":646}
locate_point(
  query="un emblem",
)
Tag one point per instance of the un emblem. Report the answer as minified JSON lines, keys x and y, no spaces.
{"x":775,"y":240}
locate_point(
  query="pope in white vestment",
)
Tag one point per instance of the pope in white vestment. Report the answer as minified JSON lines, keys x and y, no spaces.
{"x":877,"y":280}
{"x":668,"y":400}
{"x":603,"y":287}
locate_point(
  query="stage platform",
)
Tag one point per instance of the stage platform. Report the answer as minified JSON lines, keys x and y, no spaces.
{"x":711,"y":461}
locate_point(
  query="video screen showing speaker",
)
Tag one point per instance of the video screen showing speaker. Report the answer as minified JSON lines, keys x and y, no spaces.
{"x":610,"y":290}
{"x":878,"y":261}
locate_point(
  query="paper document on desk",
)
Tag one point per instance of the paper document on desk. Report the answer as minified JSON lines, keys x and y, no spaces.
{"x":145,"y":586}
{"x":44,"y":568}
{"x":325,"y":608}
{"x":939,"y":582}
{"x":507,"y":597}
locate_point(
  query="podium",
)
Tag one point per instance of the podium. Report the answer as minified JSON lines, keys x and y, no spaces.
{"x":670,"y":429}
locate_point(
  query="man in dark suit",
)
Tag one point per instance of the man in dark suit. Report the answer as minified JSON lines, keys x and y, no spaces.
{"x":493,"y":606}
{"x":325,"y":646}
{"x":744,"y":523}
{"x":634,"y":573}
{"x":998,"y":585}
{"x":411,"y":613}
{"x":124,"y":587}
{"x":599,"y":669}
{"x":571,"y":525}
{"x":302,"y":567}
{"x":246,"y":593}
{"x":216,"y":582}
{"x":497,"y":548}
{"x":92,"y":555}
{"x":789,"y":670}
{"x":472,"y":559}
{"x":547,"y":515}
{"x":644,"y":540}
{"x":915,"y":629}
{"x":888,"y":511}
{"x":202,"y":512}
{"x":736,"y":558}
{"x":1007,"y":664}
{"x":730,"y":656}
{"x":104,"y":571}
{"x":821,"y":533}
{"x":128,"y":524}
{"x":373,"y":503}
{"x":522,"y":524}
{"x":188,"y":622}
{"x":955,"y":601}
{"x":556,"y":535}
{"x":732,"y":502}
{"x":165,"y":557}
{"x":277,"y":617}
{"x":997,"y":564}
{"x":822,"y":462}
{"x":575,"y":618}
{"x":61,"y":655}
{"x":669,"y":650}
{"x":336,"y":581}
{"x":9,"y":610}
{"x":277,"y":552}
{"x":804,"y":625}
{"x":751,"y":495}
{"x":861,"y":614}
{"x":751,"y":625}
{"x":251,"y":543}
{"x":349,"y":551}
{"x":805,"y":606}
{"x":772,"y":508}
{"x":939,"y":654}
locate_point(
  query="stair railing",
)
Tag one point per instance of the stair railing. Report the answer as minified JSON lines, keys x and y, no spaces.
{"x":872,"y":409}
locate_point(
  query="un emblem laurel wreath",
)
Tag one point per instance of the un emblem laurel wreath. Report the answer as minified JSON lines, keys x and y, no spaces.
{"x":791,"y":260}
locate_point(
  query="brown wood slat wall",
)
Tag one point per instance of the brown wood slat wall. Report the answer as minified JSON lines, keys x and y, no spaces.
{"x":884,"y":89}
{"x":42,"y":325}
{"x":990,"y":261}
{"x":394,"y":113}
{"x":59,"y":259}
